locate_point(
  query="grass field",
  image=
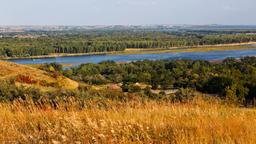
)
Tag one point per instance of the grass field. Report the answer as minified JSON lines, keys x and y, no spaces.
{"x":131,"y":122}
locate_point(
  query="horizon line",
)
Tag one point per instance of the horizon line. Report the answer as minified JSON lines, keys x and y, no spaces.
{"x":128,"y":25}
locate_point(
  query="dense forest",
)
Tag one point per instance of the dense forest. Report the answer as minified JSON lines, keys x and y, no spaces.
{"x":233,"y":80}
{"x":111,"y":41}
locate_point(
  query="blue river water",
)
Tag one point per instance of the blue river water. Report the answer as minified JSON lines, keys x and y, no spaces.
{"x":77,"y":60}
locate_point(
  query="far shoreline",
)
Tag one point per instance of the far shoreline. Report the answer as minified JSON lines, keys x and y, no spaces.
{"x":199,"y":48}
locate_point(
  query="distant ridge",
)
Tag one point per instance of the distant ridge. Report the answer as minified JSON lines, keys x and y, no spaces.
{"x":49,"y":28}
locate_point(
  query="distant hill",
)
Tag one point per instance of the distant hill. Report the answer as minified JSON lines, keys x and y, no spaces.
{"x":28,"y":76}
{"x":166,"y":27}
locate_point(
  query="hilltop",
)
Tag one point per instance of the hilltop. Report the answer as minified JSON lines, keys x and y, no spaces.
{"x":28,"y":76}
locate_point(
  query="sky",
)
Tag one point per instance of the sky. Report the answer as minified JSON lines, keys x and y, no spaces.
{"x":127,"y":12}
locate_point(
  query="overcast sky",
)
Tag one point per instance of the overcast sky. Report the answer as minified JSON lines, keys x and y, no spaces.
{"x":127,"y":12}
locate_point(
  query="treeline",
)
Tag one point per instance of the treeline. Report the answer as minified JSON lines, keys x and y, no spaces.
{"x":114,"y":41}
{"x":16,"y":47}
{"x":233,"y":80}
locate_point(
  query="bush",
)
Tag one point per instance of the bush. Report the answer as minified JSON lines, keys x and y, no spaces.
{"x":95,"y":79}
{"x":183,"y":95}
{"x":130,"y":87}
{"x":217,"y":85}
{"x":25,"y":79}
{"x":51,"y":67}
{"x":9,"y":92}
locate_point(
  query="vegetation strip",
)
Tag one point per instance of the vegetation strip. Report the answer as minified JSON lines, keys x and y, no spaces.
{"x":12,"y":47}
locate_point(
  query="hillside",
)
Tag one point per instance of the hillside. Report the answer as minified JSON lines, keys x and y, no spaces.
{"x":25,"y":75}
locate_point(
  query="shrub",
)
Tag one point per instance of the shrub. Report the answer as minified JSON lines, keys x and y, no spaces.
{"x":95,"y":79}
{"x":183,"y":95}
{"x":25,"y":79}
{"x":51,"y":67}
{"x":130,"y":87}
{"x":217,"y":85}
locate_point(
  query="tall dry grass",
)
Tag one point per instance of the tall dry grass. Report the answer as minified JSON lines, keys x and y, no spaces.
{"x":131,"y":122}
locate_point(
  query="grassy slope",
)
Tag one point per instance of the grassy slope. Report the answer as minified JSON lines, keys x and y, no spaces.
{"x":33,"y":76}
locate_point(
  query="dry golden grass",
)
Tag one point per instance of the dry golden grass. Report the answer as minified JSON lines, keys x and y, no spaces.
{"x":38,"y":78}
{"x":132,"y":122}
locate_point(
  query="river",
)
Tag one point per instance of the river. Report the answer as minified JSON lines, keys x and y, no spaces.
{"x":76,"y":60}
